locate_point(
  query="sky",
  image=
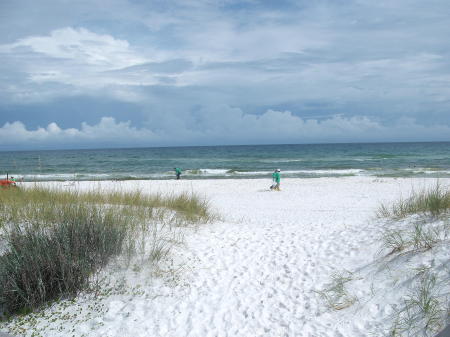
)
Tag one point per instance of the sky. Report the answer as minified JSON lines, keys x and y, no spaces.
{"x":140,"y":73}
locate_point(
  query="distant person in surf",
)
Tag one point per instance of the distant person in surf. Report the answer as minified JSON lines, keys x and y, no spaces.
{"x":177,"y":172}
{"x":276,"y":180}
{"x":273,"y":180}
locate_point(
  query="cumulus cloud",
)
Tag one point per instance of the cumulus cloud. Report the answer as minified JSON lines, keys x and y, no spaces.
{"x":107,"y":132}
{"x":236,"y":128}
{"x":80,"y":45}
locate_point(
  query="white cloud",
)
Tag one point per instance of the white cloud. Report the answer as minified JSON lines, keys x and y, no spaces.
{"x":107,"y":130}
{"x":70,"y":62}
{"x":81,"y":46}
{"x":233,"y":127}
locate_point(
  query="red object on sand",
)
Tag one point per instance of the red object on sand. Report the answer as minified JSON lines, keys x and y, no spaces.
{"x":6,"y":183}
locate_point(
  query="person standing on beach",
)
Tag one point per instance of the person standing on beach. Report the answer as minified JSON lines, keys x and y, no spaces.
{"x":276,"y":178}
{"x":273,"y":180}
{"x":177,"y":172}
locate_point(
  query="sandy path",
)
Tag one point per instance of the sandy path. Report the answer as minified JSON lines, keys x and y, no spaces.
{"x":265,"y":267}
{"x":255,"y":273}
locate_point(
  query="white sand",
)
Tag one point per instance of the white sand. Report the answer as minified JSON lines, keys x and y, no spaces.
{"x":256,"y":273}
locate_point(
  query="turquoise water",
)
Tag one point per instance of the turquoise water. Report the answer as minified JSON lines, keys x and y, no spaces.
{"x":221,"y":162}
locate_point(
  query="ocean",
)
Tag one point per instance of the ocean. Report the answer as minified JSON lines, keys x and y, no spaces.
{"x":232,"y":162}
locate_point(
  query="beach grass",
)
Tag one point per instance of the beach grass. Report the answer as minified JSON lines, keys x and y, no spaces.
{"x":434,"y":201}
{"x":38,"y":203}
{"x":425,"y":309}
{"x":395,"y":240}
{"x":336,"y":294}
{"x":421,"y":237}
{"x":43,"y":263}
{"x":55,"y":240}
{"x":423,"y":312}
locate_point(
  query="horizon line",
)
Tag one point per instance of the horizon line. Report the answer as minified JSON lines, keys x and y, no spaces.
{"x":220,"y":145}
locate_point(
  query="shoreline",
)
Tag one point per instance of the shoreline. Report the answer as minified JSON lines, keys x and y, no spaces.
{"x":243,"y":178}
{"x":287,"y":174}
{"x":255,"y":184}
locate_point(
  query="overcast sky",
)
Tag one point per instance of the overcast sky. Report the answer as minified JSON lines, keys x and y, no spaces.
{"x":137,"y":73}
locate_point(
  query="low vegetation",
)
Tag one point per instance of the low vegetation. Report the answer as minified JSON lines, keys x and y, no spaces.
{"x":434,"y":201}
{"x":424,"y":309}
{"x":420,"y":237}
{"x":38,"y":204}
{"x":52,"y":242}
{"x":423,"y":312}
{"x":336,"y":294}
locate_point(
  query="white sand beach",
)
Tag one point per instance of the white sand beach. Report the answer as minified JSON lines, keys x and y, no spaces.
{"x":259,"y":270}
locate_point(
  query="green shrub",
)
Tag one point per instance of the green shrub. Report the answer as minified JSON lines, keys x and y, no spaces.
{"x":43,"y":263}
{"x":56,"y":240}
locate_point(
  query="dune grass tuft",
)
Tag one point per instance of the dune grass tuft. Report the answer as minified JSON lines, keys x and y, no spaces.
{"x":434,"y":201}
{"x":37,"y":203}
{"x":53,"y":241}
{"x":336,"y":294}
{"x":395,"y":240}
{"x":42,"y":263}
{"x":421,"y":237}
{"x":423,"y":312}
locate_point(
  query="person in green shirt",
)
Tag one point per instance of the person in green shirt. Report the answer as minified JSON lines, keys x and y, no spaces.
{"x":276,"y":180}
{"x":177,"y":172}
{"x":273,"y":180}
